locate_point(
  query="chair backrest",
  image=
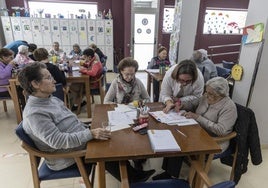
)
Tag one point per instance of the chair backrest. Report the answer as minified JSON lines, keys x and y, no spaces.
{"x":223,"y":72}
{"x":23,"y":136}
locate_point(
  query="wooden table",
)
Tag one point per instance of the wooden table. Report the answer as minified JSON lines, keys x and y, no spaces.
{"x":126,"y":144}
{"x":153,"y":75}
{"x":75,"y":77}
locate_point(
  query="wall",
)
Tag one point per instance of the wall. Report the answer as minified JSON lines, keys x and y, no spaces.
{"x":2,"y":5}
{"x":257,"y":12}
{"x":203,"y":41}
{"x":189,"y":17}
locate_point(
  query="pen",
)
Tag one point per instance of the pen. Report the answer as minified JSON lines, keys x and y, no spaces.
{"x":181,"y":133}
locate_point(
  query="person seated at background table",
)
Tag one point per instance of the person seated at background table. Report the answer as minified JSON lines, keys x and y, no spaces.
{"x":206,"y":66}
{"x":15,"y":44}
{"x":101,"y":55}
{"x":31,"y":49}
{"x":55,"y":50}
{"x":216,"y":113}
{"x":126,"y":88}
{"x":6,"y":66}
{"x":22,"y":58}
{"x":76,"y":51}
{"x":160,"y":60}
{"x":41,"y":55}
{"x":91,"y":67}
{"x":53,"y":127}
{"x":182,"y":87}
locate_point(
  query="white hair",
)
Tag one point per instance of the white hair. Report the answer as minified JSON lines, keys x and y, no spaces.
{"x":219,"y":85}
{"x":23,"y":49}
{"x":204,"y":53}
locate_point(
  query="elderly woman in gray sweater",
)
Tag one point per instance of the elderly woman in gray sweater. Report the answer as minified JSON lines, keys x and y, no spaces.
{"x":216,"y":113}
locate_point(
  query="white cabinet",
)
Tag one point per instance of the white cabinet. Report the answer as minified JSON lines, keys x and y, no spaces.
{"x":7,"y":29}
{"x":44,"y":31}
{"x":16,"y":27}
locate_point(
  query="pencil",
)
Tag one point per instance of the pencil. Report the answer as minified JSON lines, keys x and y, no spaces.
{"x":181,"y":133}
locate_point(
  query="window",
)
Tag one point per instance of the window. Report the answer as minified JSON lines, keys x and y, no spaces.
{"x":65,"y":10}
{"x":168,"y":19}
{"x":227,"y":21}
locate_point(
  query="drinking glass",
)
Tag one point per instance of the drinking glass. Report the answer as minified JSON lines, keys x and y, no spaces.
{"x":106,"y":125}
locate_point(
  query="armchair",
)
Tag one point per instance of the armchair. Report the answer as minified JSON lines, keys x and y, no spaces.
{"x":42,"y":172}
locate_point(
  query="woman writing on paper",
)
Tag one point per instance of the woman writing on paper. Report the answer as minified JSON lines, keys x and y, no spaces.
{"x":182,"y":87}
{"x":216,"y":113}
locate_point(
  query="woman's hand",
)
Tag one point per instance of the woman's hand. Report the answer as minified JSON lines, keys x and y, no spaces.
{"x":169,"y":106}
{"x":101,"y":134}
{"x":191,"y":115}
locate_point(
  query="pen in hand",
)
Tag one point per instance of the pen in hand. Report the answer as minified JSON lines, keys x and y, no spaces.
{"x":181,"y":133}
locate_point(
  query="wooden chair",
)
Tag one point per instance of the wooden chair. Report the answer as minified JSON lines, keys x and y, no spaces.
{"x":43,"y":173}
{"x":180,"y":183}
{"x":99,"y":91}
{"x":231,"y":150}
{"x":4,"y":99}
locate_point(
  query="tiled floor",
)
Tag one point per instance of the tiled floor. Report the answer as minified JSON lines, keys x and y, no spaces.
{"x":15,"y":169}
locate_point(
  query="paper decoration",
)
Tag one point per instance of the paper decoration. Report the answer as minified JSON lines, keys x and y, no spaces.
{"x":253,"y":33}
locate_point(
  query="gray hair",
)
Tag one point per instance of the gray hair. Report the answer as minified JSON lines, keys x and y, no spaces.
{"x":23,"y":49}
{"x":219,"y":85}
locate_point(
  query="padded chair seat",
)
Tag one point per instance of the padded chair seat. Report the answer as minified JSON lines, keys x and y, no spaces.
{"x":177,"y":183}
{"x":169,"y":183}
{"x":95,"y":91}
{"x":46,"y":173}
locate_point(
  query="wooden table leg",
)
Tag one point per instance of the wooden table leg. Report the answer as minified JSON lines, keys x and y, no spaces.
{"x":87,"y":87}
{"x":149,"y":84}
{"x":123,"y":173}
{"x":101,"y":174}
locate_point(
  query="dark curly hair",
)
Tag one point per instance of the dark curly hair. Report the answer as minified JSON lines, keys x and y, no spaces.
{"x":128,"y":62}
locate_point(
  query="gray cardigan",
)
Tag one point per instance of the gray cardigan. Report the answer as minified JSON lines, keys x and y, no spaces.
{"x":217,"y":119}
{"x":54,"y":128}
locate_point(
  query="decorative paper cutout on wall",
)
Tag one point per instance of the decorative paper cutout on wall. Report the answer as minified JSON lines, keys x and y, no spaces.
{"x":253,"y":33}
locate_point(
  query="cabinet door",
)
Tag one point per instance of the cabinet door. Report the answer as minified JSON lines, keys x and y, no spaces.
{"x":91,"y":31}
{"x":73,"y":31}
{"x":100,"y":32}
{"x":46,"y":32}
{"x":36,"y":30}
{"x":55,"y":31}
{"x":16,"y":26}
{"x":82,"y":32}
{"x":26,"y":29}
{"x":64,"y":32}
{"x":109,"y":50}
{"x":7,"y":28}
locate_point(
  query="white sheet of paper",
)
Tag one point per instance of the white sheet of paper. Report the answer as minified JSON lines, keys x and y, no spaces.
{"x":153,"y":70}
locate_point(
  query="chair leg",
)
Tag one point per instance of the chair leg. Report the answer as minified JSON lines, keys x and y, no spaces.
{"x":234,"y":163}
{"x":34,"y":168}
{"x":93,"y":170}
{"x":83,"y":172}
{"x":5,"y":106}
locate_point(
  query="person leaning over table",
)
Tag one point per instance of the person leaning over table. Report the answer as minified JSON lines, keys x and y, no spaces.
{"x":182,"y":87}
{"x":52,"y":126}
{"x":126,"y":88}
{"x":216,"y":113}
{"x":160,"y":60}
{"x":91,"y":67}
{"x":6,"y":66}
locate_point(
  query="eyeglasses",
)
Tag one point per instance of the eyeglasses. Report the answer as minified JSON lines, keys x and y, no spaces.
{"x":210,"y":94}
{"x":127,"y":75}
{"x":50,"y":78}
{"x":184,"y":81}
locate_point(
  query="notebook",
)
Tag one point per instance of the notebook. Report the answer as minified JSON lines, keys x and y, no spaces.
{"x":163,"y":141}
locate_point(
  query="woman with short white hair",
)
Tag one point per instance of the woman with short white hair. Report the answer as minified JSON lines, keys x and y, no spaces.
{"x":216,"y":113}
{"x":22,"y":57}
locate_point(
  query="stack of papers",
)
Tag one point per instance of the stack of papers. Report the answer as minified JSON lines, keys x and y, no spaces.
{"x":163,"y":141}
{"x":121,"y":117}
{"x":172,"y":118}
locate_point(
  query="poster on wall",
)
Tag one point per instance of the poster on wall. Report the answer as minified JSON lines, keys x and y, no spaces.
{"x":253,"y":33}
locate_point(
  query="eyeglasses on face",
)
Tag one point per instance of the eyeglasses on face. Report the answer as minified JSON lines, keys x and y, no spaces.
{"x":127,"y":75}
{"x":182,"y":81}
{"x":50,"y":78}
